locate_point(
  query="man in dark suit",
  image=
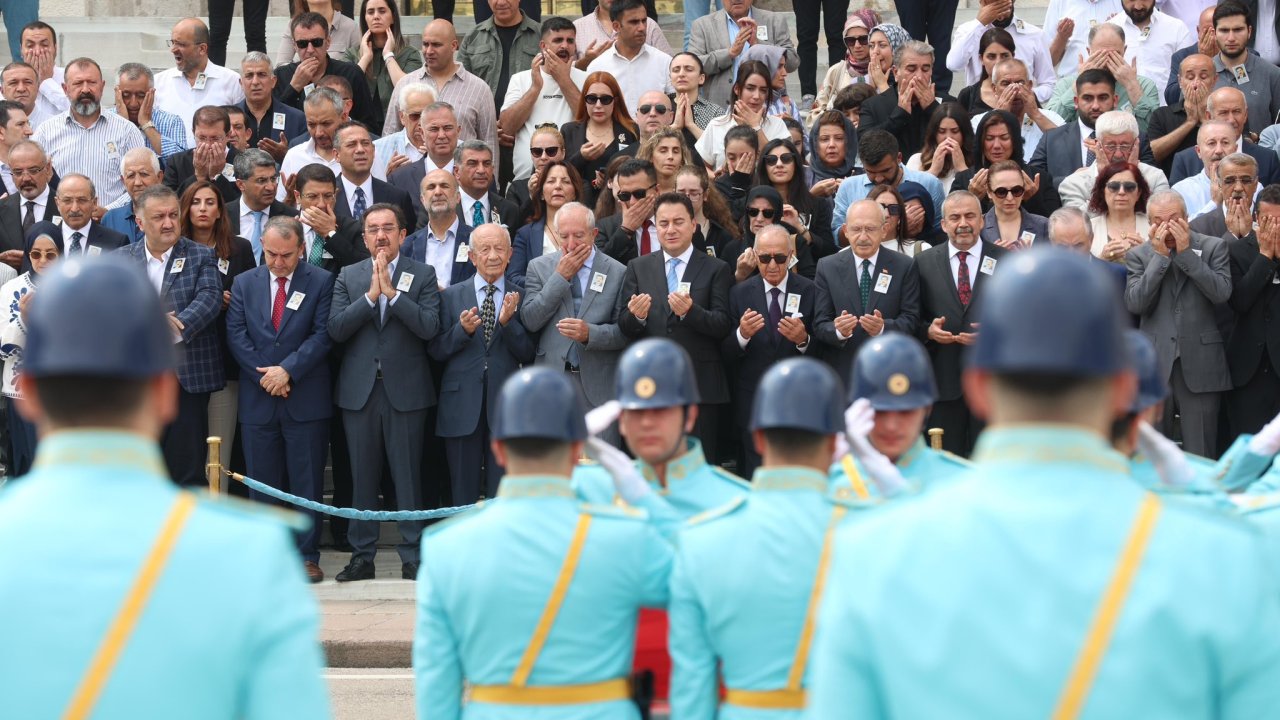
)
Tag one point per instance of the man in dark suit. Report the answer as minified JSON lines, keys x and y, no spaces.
{"x":358,"y":188}
{"x":481,"y":343}
{"x":1253,"y":350}
{"x":81,"y":236}
{"x":310,"y":32}
{"x":473,"y":166}
{"x":442,"y":242}
{"x":385,"y":310}
{"x":33,"y":203}
{"x":270,"y":121}
{"x":439,"y":125}
{"x":185,"y":274}
{"x":1061,"y":150}
{"x":864,"y":292}
{"x":1236,"y":179}
{"x":905,"y":108}
{"x":1228,"y":105}
{"x":256,"y":182}
{"x":951,"y":278}
{"x":212,"y":158}
{"x":775,"y":313}
{"x":277,"y":332}
{"x":683,"y":295}
{"x":630,"y":232}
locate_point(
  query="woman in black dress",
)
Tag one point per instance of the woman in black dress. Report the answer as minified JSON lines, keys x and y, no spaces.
{"x":601,"y":127}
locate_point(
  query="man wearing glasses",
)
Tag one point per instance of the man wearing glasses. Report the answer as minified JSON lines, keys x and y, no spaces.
{"x":547,"y":96}
{"x":296,"y":81}
{"x":194,"y":81}
{"x":1117,"y":141}
{"x":631,"y":232}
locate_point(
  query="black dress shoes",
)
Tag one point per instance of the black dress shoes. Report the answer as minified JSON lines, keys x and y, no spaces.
{"x":409,"y":571}
{"x":357,"y":569}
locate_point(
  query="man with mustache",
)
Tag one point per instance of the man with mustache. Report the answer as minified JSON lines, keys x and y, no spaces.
{"x":195,"y":81}
{"x":1152,"y":37}
{"x":81,"y":236}
{"x":40,"y":53}
{"x":1214,"y":141}
{"x":84,"y":139}
{"x":545,"y":93}
{"x":1117,"y":140}
{"x":1229,"y":105}
{"x":404,"y":146}
{"x":951,"y":278}
{"x":442,"y":242}
{"x":32,"y":203}
{"x":1235,"y":185}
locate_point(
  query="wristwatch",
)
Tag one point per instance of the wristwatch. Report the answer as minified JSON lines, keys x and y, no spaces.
{"x":148,"y":126}
{"x":329,"y":235}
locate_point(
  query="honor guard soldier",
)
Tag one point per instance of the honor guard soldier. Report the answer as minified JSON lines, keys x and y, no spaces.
{"x":748,"y":575}
{"x":1050,"y":574}
{"x":892,"y":375}
{"x":104,"y":616}
{"x":527,"y":605}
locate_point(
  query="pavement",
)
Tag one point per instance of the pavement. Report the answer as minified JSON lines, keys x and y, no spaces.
{"x":368,"y":623}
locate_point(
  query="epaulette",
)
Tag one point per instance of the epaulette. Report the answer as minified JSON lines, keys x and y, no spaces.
{"x":452,"y":519}
{"x":620,"y":510}
{"x":718,"y":511}
{"x":726,"y":475}
{"x":1256,"y":503}
{"x":257,"y":510}
{"x":845,"y":497}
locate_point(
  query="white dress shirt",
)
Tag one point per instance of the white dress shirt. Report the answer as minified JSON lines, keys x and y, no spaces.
{"x":349,"y":188}
{"x":1086,"y":14}
{"x":501,"y":292}
{"x":273,"y":285}
{"x":441,"y":252}
{"x":971,"y":262}
{"x":156,"y":267}
{"x":648,"y":70}
{"x":67,"y":232}
{"x":1032,"y":48}
{"x":299,"y":157}
{"x":176,"y":94}
{"x":428,"y":165}
{"x":1154,"y":45}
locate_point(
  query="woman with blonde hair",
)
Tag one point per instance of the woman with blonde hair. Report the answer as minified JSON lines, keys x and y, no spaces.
{"x":666,"y":149}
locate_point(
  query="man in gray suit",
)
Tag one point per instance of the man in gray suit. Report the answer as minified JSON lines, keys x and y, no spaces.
{"x":1174,"y":282}
{"x":710,"y":40}
{"x":385,"y":309}
{"x":571,"y":299}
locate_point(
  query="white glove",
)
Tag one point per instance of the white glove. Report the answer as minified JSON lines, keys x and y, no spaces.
{"x":627,"y":480}
{"x":842,"y":449}
{"x":859,"y":420}
{"x":599,"y":419}
{"x":1170,"y":463}
{"x":1267,"y":441}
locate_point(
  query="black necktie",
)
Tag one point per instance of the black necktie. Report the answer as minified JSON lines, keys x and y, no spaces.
{"x":30,"y":218}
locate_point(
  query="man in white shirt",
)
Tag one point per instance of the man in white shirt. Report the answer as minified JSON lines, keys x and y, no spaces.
{"x":40,"y":51}
{"x":1031,"y":45}
{"x":257,"y":180}
{"x":1013,"y":87}
{"x":196,"y":81}
{"x":394,"y":151}
{"x":636,"y":66}
{"x":547,"y":93}
{"x":1071,"y":21}
{"x":323,"y":108}
{"x":437,"y":244}
{"x":1151,"y":37}
{"x":1215,"y":140}
{"x":595,"y":31}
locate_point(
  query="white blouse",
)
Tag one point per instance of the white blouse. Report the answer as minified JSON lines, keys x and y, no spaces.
{"x":13,"y":335}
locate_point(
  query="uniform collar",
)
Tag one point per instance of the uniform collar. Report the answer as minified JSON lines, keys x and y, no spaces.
{"x":913,"y":453}
{"x":788,"y":478}
{"x":1047,"y":444}
{"x":534,"y":486}
{"x":100,"y":449}
{"x":679,"y":468}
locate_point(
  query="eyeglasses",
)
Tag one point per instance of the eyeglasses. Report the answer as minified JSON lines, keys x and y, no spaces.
{"x":659,"y":109}
{"x":1117,"y":147}
{"x":598,"y":99}
{"x":44,"y":255}
{"x":690,"y":193}
{"x":1117,"y":186}
{"x":768,"y":213}
{"x":852,"y":40}
{"x":1015,"y":191}
{"x":1238,"y":180}
{"x":779,"y":258}
{"x":179,"y":44}
{"x":626,"y":195}
{"x":548,"y":151}
{"x":313,"y":42}
{"x":377,"y":230}
{"x":784,"y":158}
{"x":20,"y":172}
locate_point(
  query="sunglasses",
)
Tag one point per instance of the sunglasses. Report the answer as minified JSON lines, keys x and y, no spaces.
{"x":548,"y":151}
{"x":1016,"y":191}
{"x":893,"y":210}
{"x":779,"y":258}
{"x":626,"y":195}
{"x":1117,"y":186}
{"x":313,"y":42}
{"x":47,"y":254}
{"x":599,"y":99}
{"x":766,"y":212}
{"x":853,"y":40}
{"x":785,"y":159}
{"x":659,"y":109}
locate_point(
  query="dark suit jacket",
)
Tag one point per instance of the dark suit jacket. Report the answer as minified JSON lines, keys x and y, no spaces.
{"x":703,"y":327}
{"x":415,"y":246}
{"x":766,"y":347}
{"x":939,"y":298}
{"x":526,"y":246}
{"x":346,"y":247}
{"x":105,"y":238}
{"x":301,"y":346}
{"x":382,"y":193}
{"x":1211,"y":223}
{"x":1255,"y":298}
{"x":193,"y":292}
{"x":1186,"y":163}
{"x":361,"y":98}
{"x":1037,"y":225}
{"x":837,"y":292}
{"x":179,"y":173}
{"x":473,"y":371}
{"x":881,"y":112}
{"x":398,"y":343}
{"x":1058,"y":153}
{"x":615,"y":241}
{"x":11,"y":210}
{"x":295,"y":122}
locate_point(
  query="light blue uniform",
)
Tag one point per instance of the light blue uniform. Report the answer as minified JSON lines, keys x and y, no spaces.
{"x":740,"y":591}
{"x":1239,"y":469}
{"x":230,"y":630}
{"x":921,"y":466}
{"x":1236,"y":470}
{"x":974,"y":600}
{"x":486,"y":578}
{"x":693,"y":486}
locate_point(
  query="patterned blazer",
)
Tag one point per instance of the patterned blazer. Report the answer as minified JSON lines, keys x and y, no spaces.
{"x":192,"y":290}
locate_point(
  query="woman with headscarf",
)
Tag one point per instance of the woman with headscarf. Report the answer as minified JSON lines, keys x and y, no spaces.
{"x":43,"y":248}
{"x":885,"y":41}
{"x":857,"y":60}
{"x":774,"y":58}
{"x":764,"y":207}
{"x":834,"y":141}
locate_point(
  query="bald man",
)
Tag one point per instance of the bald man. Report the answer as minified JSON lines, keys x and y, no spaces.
{"x":471,"y":98}
{"x":1173,"y":128}
{"x":194,"y":81}
{"x":1228,"y":104}
{"x":443,"y":242}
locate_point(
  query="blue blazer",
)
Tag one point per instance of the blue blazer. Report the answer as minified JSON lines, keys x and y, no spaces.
{"x":193,"y":291}
{"x":415,"y":246}
{"x":1186,"y":163}
{"x":470,"y":365}
{"x":121,"y":220}
{"x":526,"y":246}
{"x":301,"y":346}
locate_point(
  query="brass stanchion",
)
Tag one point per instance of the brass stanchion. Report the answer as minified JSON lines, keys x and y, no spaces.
{"x":213,"y":466}
{"x":935,"y":438}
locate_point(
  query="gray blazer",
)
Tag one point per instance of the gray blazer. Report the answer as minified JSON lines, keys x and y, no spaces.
{"x":709,"y":40}
{"x":398,"y":344}
{"x":1174,"y":298}
{"x":549,"y":299}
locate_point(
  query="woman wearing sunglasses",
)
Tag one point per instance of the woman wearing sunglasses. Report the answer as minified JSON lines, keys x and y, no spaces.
{"x":343,"y":31}
{"x":857,"y":61}
{"x":895,"y":237}
{"x":994,"y":46}
{"x":545,"y":145}
{"x":1119,"y":207}
{"x":43,"y":248}
{"x":558,"y":184}
{"x":999,"y":137}
{"x":600,"y":128}
{"x":748,"y":107}
{"x":1007,"y":224}
{"x":764,"y":207}
{"x":781,"y":168}
{"x":715,"y":225}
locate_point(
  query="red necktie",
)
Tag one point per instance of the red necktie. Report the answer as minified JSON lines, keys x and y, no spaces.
{"x":962,"y":279}
{"x":277,"y":308}
{"x":646,"y":245}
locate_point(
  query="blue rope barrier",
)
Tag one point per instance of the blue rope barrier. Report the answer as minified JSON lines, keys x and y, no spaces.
{"x":349,"y":513}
